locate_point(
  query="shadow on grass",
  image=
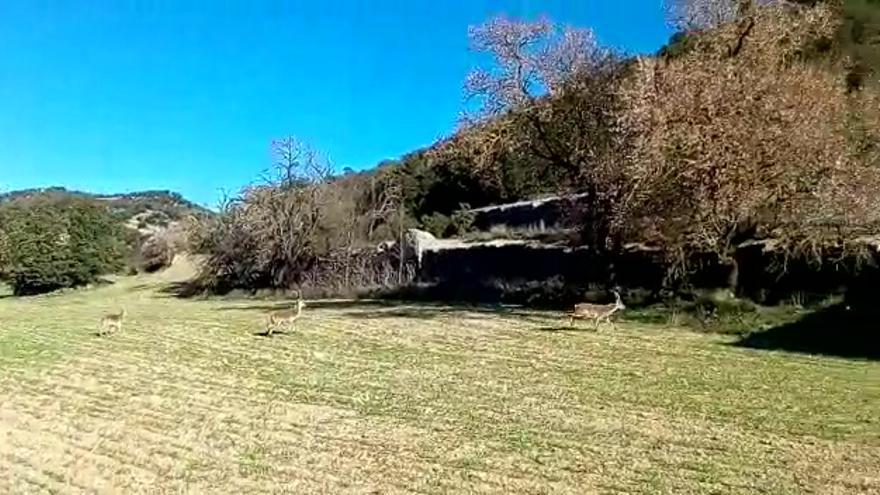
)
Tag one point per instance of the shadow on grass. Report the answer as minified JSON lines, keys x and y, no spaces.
{"x":427,"y":311}
{"x":373,"y":309}
{"x":565,"y":329}
{"x":340,"y":304}
{"x":832,"y":331}
{"x":266,"y":335}
{"x":139,"y":287}
{"x":182,"y":290}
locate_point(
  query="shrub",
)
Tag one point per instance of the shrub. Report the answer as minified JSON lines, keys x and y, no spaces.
{"x":436,"y":223}
{"x":55,"y":242}
{"x":462,"y":220}
{"x":156,"y":253}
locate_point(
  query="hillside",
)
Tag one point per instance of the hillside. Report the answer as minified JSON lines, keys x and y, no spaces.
{"x":145,"y":211}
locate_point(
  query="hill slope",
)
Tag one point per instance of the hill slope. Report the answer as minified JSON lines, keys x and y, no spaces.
{"x":145,"y":211}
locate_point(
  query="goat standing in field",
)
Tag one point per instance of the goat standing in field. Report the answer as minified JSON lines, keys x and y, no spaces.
{"x":111,"y":323}
{"x":597,"y":312}
{"x":287,"y":317}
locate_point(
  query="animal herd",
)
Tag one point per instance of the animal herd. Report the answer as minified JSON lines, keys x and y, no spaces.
{"x":287,"y":318}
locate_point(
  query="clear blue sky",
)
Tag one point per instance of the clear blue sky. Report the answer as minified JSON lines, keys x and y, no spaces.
{"x":114,"y":96}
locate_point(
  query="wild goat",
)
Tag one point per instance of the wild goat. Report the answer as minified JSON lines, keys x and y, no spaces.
{"x":597,"y":312}
{"x":287,"y":317}
{"x":111,"y":322}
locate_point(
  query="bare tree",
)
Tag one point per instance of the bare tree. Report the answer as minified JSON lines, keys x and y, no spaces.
{"x":271,"y":231}
{"x":550,"y":97}
{"x":300,"y":221}
{"x":531,"y":59}
{"x":382,"y":201}
{"x":296,"y":163}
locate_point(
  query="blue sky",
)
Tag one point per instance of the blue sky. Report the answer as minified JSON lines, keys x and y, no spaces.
{"x":114,"y":96}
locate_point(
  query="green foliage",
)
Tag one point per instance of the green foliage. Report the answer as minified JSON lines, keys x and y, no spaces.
{"x":53,"y":242}
{"x":436,"y":223}
{"x":462,"y":221}
{"x":679,"y":44}
{"x":716,"y":312}
{"x":859,"y":39}
{"x":432,"y":187}
{"x":459,"y":223}
{"x":160,"y":206}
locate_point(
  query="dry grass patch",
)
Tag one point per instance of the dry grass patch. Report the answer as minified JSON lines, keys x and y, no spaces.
{"x":411,"y":399}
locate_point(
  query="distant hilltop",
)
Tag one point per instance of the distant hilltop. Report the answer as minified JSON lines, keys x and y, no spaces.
{"x":142,"y":210}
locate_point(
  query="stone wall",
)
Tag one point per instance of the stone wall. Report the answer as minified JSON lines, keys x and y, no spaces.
{"x":484,"y":271}
{"x":540,"y":214}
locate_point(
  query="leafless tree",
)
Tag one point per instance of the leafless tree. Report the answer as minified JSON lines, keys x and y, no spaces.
{"x":296,"y":223}
{"x":297,"y":163}
{"x":531,"y":59}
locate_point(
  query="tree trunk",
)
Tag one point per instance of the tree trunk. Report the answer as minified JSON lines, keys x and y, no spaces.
{"x":400,"y":244}
{"x":733,"y":276}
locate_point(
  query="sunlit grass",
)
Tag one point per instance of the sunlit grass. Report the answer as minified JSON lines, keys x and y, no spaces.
{"x":399,"y":399}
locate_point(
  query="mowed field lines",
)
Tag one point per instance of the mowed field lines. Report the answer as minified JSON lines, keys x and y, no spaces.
{"x":412,"y":399}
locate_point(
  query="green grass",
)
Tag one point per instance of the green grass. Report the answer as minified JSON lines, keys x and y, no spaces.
{"x":405,"y":399}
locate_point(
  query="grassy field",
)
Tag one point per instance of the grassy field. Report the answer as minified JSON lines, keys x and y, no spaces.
{"x":412,"y":399}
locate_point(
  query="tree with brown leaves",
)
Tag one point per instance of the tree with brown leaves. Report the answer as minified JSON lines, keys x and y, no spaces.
{"x":752,"y":145}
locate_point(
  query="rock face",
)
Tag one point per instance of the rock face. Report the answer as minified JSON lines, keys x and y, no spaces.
{"x":419,"y":241}
{"x":537,"y":214}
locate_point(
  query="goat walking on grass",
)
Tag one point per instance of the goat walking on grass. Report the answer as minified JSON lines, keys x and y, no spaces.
{"x":597,"y":312}
{"x":286,"y":317}
{"x":111,"y":323}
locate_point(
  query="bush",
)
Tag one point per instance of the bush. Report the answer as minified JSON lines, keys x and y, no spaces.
{"x":55,"y":242}
{"x":437,"y":224}
{"x":458,"y":224}
{"x":462,"y":220}
{"x":156,"y":254}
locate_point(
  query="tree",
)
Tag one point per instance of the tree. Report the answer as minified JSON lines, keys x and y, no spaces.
{"x":748,"y":145}
{"x":858,"y":38}
{"x":531,"y":59}
{"x":550,"y":103}
{"x":156,"y":253}
{"x":53,"y":242}
{"x":301,"y":216}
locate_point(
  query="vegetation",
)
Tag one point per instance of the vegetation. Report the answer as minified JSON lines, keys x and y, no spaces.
{"x":750,"y":128}
{"x":749,"y":146}
{"x":734,"y":136}
{"x":149,"y":223}
{"x":156,"y":253}
{"x":414,"y":397}
{"x":161,"y":206}
{"x":52,"y":242}
{"x":760,"y":142}
{"x":299,"y":223}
